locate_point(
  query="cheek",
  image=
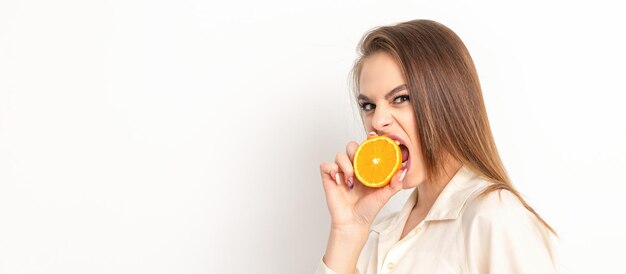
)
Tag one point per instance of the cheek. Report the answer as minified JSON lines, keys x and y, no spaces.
{"x":408,"y":117}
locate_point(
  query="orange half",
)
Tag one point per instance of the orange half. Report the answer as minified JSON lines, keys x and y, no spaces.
{"x":376,"y":160}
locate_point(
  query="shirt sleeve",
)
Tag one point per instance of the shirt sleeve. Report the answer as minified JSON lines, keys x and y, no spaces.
{"x":505,"y":237}
{"x":323,"y":269}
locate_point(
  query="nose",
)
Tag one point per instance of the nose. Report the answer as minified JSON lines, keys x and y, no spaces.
{"x":382,"y":119}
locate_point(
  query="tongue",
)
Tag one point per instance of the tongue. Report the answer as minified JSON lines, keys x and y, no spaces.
{"x":405,"y":153}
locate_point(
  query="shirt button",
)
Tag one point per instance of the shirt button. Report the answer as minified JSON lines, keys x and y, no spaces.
{"x":390,"y":266}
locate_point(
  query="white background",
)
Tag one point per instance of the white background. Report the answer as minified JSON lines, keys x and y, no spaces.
{"x":186,"y":136}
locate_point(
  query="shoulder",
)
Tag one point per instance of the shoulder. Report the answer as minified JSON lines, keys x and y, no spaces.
{"x":501,"y":212}
{"x":489,"y":204}
{"x":502,"y":236}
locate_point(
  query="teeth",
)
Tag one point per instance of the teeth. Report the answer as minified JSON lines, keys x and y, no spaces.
{"x":397,"y":142}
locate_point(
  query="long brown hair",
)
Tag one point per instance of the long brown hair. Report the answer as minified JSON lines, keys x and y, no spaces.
{"x":446,"y":97}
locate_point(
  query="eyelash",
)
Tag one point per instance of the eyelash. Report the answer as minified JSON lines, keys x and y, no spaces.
{"x":363,"y":105}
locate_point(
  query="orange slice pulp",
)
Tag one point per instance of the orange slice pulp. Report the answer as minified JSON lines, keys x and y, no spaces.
{"x":376,"y":160}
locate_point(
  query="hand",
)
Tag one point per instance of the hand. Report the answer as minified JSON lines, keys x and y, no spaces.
{"x":357,"y":206}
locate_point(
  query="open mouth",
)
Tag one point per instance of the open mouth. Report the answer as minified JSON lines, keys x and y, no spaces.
{"x":405,"y":156}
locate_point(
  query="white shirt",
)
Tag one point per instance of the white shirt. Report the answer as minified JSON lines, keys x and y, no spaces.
{"x":460,"y":234}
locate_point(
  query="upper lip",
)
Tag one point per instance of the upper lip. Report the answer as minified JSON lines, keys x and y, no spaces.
{"x":395,"y":137}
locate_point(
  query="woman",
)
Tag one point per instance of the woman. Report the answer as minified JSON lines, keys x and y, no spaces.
{"x":416,"y":83}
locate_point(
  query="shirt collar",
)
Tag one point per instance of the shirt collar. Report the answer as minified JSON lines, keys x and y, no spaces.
{"x":448,"y":205}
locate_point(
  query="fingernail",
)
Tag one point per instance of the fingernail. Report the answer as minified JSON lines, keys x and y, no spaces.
{"x":350,"y":183}
{"x":372,"y":133}
{"x":337,"y":178}
{"x":402,"y":175}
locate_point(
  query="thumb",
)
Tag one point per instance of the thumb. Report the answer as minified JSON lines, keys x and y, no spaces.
{"x":393,"y":187}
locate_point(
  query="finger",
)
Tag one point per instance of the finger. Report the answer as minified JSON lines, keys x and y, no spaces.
{"x":397,"y":179}
{"x":351,"y":149}
{"x":345,"y":165}
{"x":330,"y":171}
{"x":394,"y":186}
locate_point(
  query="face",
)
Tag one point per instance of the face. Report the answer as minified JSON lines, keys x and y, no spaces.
{"x":386,"y":108}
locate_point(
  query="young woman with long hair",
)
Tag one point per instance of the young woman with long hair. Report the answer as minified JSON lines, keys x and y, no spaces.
{"x":416,"y":83}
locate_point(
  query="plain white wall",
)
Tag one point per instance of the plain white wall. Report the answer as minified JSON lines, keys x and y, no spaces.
{"x":186,"y":136}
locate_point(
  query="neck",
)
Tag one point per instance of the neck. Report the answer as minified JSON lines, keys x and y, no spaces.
{"x":428,"y":191}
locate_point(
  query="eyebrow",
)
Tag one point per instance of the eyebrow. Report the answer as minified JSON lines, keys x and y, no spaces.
{"x":388,"y":95}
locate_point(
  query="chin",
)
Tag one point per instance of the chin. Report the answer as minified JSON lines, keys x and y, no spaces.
{"x":408,"y":183}
{"x":411,"y":182}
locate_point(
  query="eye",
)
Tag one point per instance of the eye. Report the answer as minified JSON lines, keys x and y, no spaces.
{"x":367,"y":106}
{"x":401,"y":99}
